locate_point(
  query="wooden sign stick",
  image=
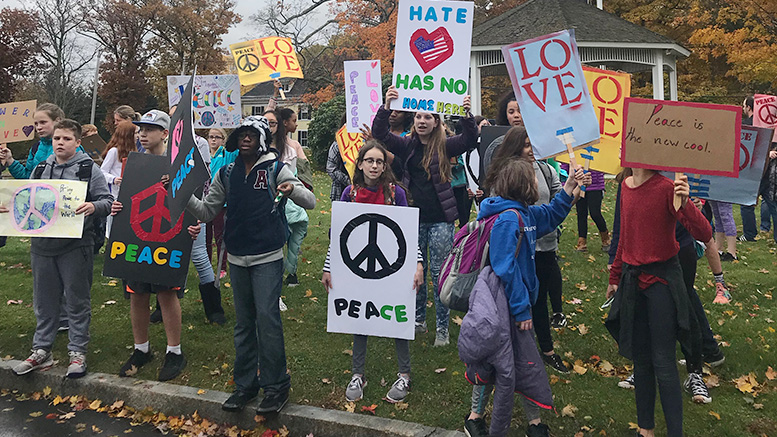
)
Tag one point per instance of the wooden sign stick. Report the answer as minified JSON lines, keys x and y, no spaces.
{"x":678,"y":201}
{"x":276,"y":76}
{"x":566,"y":137}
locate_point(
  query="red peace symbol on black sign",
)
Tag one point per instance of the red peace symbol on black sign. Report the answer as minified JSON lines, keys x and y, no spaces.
{"x":768,"y":114}
{"x":372,"y":253}
{"x":157,"y":212}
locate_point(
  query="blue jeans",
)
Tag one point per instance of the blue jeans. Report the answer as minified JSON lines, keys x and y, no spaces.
{"x":200,"y":258}
{"x":258,"y":328}
{"x":766,"y":217}
{"x":437,"y":238}
{"x":772,"y":205}
{"x":748,"y":221}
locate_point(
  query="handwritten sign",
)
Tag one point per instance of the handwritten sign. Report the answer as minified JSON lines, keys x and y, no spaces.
{"x":265,"y":59}
{"x":697,"y":138}
{"x":349,"y":145}
{"x":93,"y":145}
{"x":608,"y":90}
{"x":363,"y":93}
{"x":215,"y":99}
{"x":765,"y":112}
{"x":42,"y":208}
{"x":433,"y":43}
{"x":551,"y":91}
{"x":16,"y":121}
{"x":373,"y":261}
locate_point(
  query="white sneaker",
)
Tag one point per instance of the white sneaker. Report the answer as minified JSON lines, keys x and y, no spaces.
{"x":77,"y":367}
{"x":697,"y":388}
{"x":627,"y":383}
{"x":282,"y":305}
{"x":355,"y":389}
{"x":441,"y":339}
{"x":40,"y":359}
{"x":399,"y":389}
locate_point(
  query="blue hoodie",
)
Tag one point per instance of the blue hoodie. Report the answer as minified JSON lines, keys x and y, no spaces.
{"x":518,"y":274}
{"x":43,"y":151}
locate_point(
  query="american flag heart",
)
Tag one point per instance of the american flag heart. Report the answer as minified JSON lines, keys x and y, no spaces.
{"x":431,"y":49}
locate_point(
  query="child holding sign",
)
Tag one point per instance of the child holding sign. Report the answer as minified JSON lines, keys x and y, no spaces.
{"x":373,"y":182}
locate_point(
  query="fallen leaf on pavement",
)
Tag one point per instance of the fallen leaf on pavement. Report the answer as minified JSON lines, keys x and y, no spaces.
{"x":46,"y":391}
{"x":36,"y":414}
{"x":200,"y":392}
{"x":51,"y":416}
{"x":95,"y":405}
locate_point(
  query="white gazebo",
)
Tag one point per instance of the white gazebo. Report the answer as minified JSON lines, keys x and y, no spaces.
{"x":603,"y":39}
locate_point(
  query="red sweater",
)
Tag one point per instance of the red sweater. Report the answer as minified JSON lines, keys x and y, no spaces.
{"x":648,"y":222}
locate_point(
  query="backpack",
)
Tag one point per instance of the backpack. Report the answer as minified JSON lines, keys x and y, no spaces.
{"x":468,"y":256}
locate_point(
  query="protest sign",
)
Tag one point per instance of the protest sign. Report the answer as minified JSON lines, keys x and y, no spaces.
{"x":189,"y":171}
{"x":373,"y":260}
{"x":551,"y":91}
{"x":349,"y":145}
{"x":94,"y":146}
{"x":265,"y":59}
{"x":487,"y":136}
{"x":608,"y":90}
{"x":698,"y":138}
{"x":363,"y":93}
{"x":147,"y":244}
{"x":432,"y":45}
{"x":765,"y":112}
{"x":42,"y":208}
{"x":215,"y":99}
{"x":16,"y":121}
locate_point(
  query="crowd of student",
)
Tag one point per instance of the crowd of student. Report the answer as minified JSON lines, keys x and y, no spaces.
{"x":254,"y":206}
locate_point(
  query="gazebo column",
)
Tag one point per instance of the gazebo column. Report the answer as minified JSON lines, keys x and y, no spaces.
{"x":474,"y":83}
{"x":658,"y":75}
{"x":673,"y":79}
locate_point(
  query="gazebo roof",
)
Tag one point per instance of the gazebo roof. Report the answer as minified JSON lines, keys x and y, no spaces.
{"x":592,"y":26}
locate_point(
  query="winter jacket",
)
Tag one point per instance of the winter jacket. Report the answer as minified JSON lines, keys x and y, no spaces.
{"x":38,"y":153}
{"x":496,"y":352}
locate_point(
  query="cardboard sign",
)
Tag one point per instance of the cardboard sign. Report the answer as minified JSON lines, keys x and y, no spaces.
{"x":608,"y":90}
{"x":215,"y":99}
{"x":146,"y":244}
{"x":373,"y":260}
{"x":189,"y":170}
{"x":765,"y":112}
{"x":551,"y":91}
{"x":16,"y":121}
{"x":697,"y":138}
{"x":94,"y":146}
{"x":265,"y":59}
{"x":349,"y":145}
{"x":42,"y":208}
{"x":363,"y":93}
{"x":433,"y":44}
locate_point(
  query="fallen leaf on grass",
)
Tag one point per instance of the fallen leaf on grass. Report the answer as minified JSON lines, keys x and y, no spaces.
{"x":606,"y":366}
{"x":326,"y":381}
{"x":440,"y":370}
{"x":370,"y":409}
{"x":763,"y":271}
{"x":746,"y":383}
{"x":579,"y":368}
{"x":350,"y":407}
{"x":402,"y":406}
{"x":758,"y":406}
{"x":457,"y":320}
{"x":582,"y":329}
{"x":714,"y":414}
{"x":770,"y":373}
{"x":569,"y":411}
{"x":14,"y":302}
{"x":633,"y":425}
{"x":712,"y":381}
{"x":383,"y":382}
{"x":308,"y":292}
{"x":348,"y":352}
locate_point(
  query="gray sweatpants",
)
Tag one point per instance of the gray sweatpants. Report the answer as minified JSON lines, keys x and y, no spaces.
{"x":360,"y":354}
{"x":65,"y":277}
{"x":481,"y":394}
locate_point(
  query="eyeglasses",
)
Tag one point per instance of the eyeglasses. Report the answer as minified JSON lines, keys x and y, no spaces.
{"x":215,"y":137}
{"x":272,"y":123}
{"x":372,"y":162}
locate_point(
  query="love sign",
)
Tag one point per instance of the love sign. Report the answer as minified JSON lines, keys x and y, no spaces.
{"x":265,"y":59}
{"x":363,"y":93}
{"x":552,"y":93}
{"x":433,"y":43}
{"x":349,"y":145}
{"x":16,"y":121}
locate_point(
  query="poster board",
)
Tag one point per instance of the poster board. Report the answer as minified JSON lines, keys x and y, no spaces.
{"x":765,"y":112}
{"x":433,"y":43}
{"x":551,"y":91}
{"x":146,"y":244}
{"x":265,"y":59}
{"x":94,"y":146}
{"x":42,"y":208}
{"x":373,"y":260}
{"x":215,"y":99}
{"x":16,"y":121}
{"x":608,"y":91}
{"x":363,"y":93}
{"x":487,"y":135}
{"x":698,"y":138}
{"x":349,"y":145}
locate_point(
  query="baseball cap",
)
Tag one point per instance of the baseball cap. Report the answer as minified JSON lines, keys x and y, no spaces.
{"x":155,"y":117}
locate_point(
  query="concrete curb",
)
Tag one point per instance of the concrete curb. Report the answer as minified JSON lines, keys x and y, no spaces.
{"x":177,"y":400}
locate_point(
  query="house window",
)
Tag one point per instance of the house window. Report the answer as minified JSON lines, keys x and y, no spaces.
{"x":257,"y":110}
{"x":303,"y":138}
{"x":304,"y":112}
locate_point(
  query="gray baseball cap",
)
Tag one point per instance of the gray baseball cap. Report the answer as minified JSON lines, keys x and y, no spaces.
{"x":155,"y":117}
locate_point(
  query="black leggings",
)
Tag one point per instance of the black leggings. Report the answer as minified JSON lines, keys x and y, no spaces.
{"x":709,"y":346}
{"x":590,"y":204}
{"x":463,"y":204}
{"x":655,"y":337}
{"x":549,"y":277}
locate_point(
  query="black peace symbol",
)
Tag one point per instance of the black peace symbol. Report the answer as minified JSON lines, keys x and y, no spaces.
{"x":372,"y":252}
{"x":248,"y":62}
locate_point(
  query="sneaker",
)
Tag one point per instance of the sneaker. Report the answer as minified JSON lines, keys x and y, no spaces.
{"x":722,"y":296}
{"x":137,"y":360}
{"x":355,"y":389}
{"x":726,"y":256}
{"x":555,"y":362}
{"x":282,"y":306}
{"x":156,"y":316}
{"x":399,"y":389}
{"x":223,"y":274}
{"x":538,"y":430}
{"x":172,"y":367}
{"x":743,"y":239}
{"x":39,"y":359}
{"x":441,"y":339}
{"x":420,"y":328}
{"x":237,"y":401}
{"x":77,"y":367}
{"x":292,"y":281}
{"x":697,"y":388}
{"x":627,"y":383}
{"x":475,"y":427}
{"x":273,"y":402}
{"x":558,"y":320}
{"x":715,"y":359}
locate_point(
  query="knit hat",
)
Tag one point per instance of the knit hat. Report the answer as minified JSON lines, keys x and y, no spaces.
{"x":259,"y":126}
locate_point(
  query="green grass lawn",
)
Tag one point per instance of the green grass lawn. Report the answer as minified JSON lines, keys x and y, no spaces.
{"x":320,"y":363}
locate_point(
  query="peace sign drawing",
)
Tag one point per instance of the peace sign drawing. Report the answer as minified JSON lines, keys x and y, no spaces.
{"x":377,"y":264}
{"x":35,"y":208}
{"x":248,"y":62}
{"x":768,"y":114}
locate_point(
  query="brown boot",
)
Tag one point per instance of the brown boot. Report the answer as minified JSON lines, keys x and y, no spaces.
{"x":606,"y":240}
{"x":582,"y":246}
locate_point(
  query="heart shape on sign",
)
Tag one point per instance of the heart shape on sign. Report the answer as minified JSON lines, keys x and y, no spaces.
{"x":431,"y":49}
{"x":27,"y":130}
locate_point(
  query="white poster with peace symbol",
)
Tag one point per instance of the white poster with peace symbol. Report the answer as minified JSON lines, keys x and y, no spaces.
{"x":42,"y":208}
{"x":373,"y":258}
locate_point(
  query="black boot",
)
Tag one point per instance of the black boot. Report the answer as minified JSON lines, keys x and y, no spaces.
{"x":211,"y":302}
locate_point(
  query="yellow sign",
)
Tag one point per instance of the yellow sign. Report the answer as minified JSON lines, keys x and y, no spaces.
{"x":608,"y":90}
{"x":42,"y":208}
{"x":265,"y":59}
{"x":349,"y":145}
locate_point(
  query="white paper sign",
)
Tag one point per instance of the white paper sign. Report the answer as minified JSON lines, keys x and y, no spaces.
{"x":373,"y":259}
{"x":215,"y":99}
{"x":432,"y":54}
{"x":363,"y":93}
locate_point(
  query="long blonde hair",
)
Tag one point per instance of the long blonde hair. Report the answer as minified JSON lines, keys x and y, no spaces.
{"x":436,"y":146}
